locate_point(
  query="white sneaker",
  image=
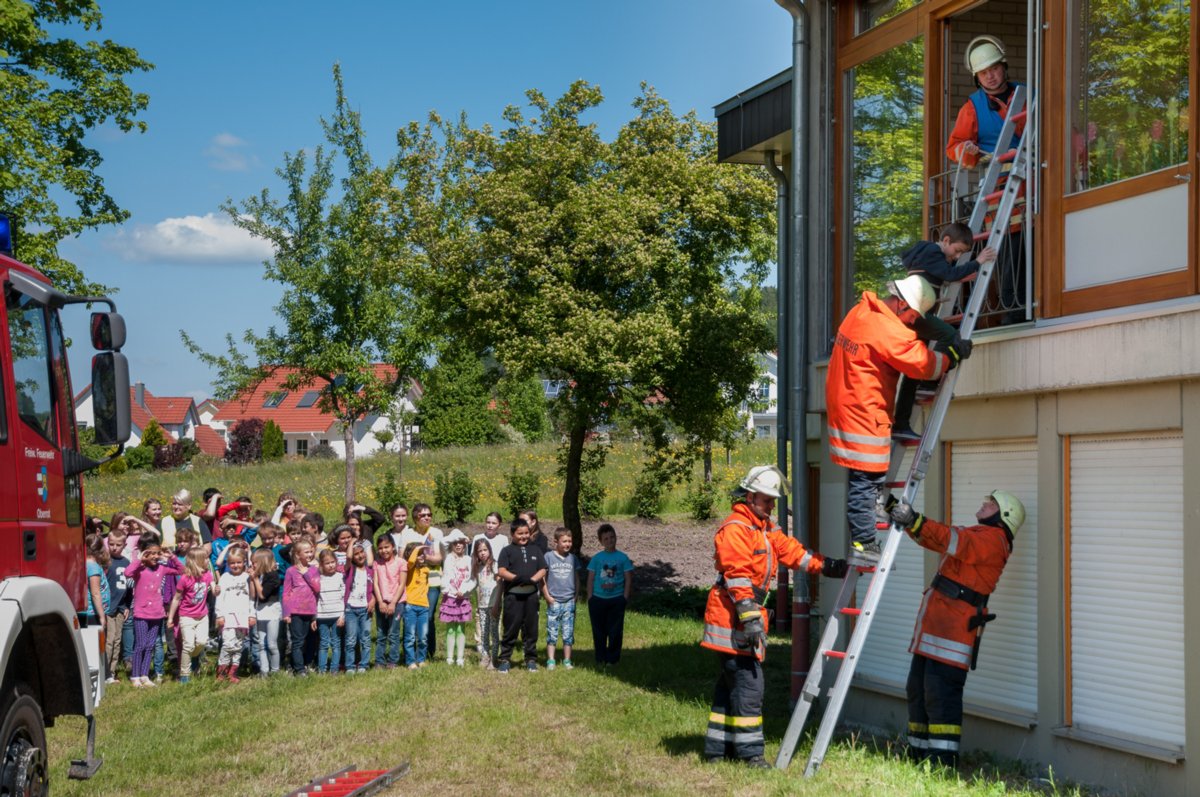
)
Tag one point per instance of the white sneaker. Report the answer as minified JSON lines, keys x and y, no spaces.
{"x":148,"y":682}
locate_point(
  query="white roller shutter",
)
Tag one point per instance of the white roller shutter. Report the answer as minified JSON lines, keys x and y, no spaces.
{"x":885,"y":655}
{"x":1007,"y":675}
{"x":1127,"y":587}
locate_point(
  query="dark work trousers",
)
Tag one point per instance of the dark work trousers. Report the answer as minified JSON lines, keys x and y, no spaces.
{"x":735,"y":725}
{"x":935,"y":710}
{"x":608,"y":627}
{"x":928,"y":328}
{"x":860,"y":503}
{"x":520,"y":619}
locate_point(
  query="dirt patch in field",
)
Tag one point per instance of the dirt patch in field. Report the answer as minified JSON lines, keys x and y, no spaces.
{"x":665,"y":554}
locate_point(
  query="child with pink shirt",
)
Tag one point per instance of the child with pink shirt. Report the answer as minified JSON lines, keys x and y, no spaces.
{"x":301,"y":586}
{"x":147,"y":573}
{"x":190,"y":608}
{"x":390,"y":572}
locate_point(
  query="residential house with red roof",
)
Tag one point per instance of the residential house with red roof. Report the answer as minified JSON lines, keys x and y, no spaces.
{"x":176,"y":415}
{"x":304,"y":425}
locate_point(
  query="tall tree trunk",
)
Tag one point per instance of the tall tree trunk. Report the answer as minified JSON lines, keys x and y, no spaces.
{"x":571,"y":517}
{"x":708,"y":462}
{"x":348,"y":439}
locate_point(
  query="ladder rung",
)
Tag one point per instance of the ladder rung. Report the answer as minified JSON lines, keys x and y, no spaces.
{"x":1016,"y":117}
{"x":979,"y":236}
{"x":894,"y":485}
{"x":1007,"y":156}
{"x":907,"y":443}
{"x":836,"y":654}
{"x":992,"y":197}
{"x":852,"y":612}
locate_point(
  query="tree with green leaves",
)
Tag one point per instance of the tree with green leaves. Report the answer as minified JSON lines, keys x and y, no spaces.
{"x":345,"y":306}
{"x":153,"y":435}
{"x":455,"y":408}
{"x":583,"y":260}
{"x":522,"y":405}
{"x":55,"y":90}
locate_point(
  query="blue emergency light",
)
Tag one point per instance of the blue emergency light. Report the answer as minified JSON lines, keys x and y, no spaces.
{"x":6,"y":246}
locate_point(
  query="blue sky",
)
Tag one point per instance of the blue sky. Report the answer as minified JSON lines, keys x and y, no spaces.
{"x":237,"y":84}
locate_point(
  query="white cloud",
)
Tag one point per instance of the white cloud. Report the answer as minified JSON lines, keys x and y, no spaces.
{"x":211,"y":238}
{"x":227,"y":153}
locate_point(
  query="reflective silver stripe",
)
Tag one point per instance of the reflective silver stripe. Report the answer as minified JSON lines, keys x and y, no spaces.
{"x":918,"y":743}
{"x":860,"y":456}
{"x":804,"y":562}
{"x":738,"y":582}
{"x":944,"y":649}
{"x":952,"y":548}
{"x":864,"y":439}
{"x":737,"y":737}
{"x":943,"y":744}
{"x":770,"y":570}
{"x":941,"y":362}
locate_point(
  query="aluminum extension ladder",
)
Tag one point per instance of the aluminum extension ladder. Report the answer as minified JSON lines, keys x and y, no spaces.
{"x":843,"y":611}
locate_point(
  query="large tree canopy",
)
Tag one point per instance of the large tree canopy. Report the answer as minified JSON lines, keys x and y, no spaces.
{"x":345,"y":306}
{"x":601,"y":264}
{"x":53,"y":92}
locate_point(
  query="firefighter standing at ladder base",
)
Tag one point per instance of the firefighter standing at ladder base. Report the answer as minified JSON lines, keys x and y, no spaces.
{"x":749,"y":550}
{"x":875,"y":344}
{"x":953,"y":613}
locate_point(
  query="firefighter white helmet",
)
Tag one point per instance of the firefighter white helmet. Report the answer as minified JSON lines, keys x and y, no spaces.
{"x":767,"y":480}
{"x":982,"y":52}
{"x":916,"y":291}
{"x":1012,"y":511}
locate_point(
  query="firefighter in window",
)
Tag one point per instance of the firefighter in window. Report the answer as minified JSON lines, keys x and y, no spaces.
{"x":976,"y":131}
{"x":749,"y":550}
{"x":953,"y":613}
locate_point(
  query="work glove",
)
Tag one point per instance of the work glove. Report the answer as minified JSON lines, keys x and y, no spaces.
{"x":958,"y":349}
{"x":834,"y":568}
{"x":750,"y":615}
{"x":904,"y":516}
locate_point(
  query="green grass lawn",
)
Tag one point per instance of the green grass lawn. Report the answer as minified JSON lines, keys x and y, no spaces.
{"x":319,"y":484}
{"x":636,"y":729}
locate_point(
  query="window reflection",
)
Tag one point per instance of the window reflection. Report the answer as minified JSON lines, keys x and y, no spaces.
{"x":886,"y":195}
{"x":877,"y":12}
{"x":1129,"y":89}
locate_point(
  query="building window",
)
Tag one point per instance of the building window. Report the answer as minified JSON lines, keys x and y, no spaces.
{"x":1129,"y":99}
{"x":764,"y":390}
{"x":308,"y":399}
{"x":302,"y":448}
{"x":885,"y":196}
{"x":876,"y":12}
{"x":275,"y":398}
{"x":762,"y":431}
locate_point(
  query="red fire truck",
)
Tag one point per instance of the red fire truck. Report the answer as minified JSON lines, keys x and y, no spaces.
{"x":51,"y":664}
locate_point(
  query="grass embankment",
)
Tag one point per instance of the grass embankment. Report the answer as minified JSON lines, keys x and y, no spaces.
{"x":636,"y":729}
{"x":319,"y":484}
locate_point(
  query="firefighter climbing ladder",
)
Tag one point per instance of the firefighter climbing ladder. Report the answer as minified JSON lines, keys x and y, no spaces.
{"x":1005,"y":200}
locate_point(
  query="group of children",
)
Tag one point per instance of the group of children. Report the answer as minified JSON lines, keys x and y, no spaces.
{"x":277,"y":591}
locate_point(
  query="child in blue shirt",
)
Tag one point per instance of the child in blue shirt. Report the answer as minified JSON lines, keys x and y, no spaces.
{"x":610,"y":580}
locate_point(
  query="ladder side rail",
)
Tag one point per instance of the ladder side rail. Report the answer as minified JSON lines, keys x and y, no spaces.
{"x":853,"y":652}
{"x":812,"y":684}
{"x":995,"y":167}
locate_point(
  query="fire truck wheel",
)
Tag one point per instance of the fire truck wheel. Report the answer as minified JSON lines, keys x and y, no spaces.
{"x":23,"y":734}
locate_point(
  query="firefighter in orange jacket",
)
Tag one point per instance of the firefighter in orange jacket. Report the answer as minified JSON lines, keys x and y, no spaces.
{"x":874,"y":345}
{"x":749,"y":550}
{"x":953,"y":613}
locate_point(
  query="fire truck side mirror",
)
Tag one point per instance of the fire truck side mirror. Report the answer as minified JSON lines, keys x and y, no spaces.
{"x":108,"y":331}
{"x":110,"y":394}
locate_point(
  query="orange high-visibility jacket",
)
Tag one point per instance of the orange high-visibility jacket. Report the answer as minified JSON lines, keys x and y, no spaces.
{"x":966,"y":128}
{"x":873,"y":347}
{"x":972,"y":556}
{"x":747,"y":555}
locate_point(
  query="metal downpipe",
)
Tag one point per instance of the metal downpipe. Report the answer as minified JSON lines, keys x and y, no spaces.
{"x":798,"y":334}
{"x":781,"y":375}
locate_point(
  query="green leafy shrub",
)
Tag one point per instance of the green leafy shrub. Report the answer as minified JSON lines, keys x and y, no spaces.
{"x":521,"y":491}
{"x":139,"y":457}
{"x":322,"y":451}
{"x":189,"y":448}
{"x":455,"y":494}
{"x":153,"y":435}
{"x":650,"y":491}
{"x":114,"y":467}
{"x":168,"y":457}
{"x":591,"y":496}
{"x":272,"y":441}
{"x":391,"y":492}
{"x":700,"y":499}
{"x":245,"y":441}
